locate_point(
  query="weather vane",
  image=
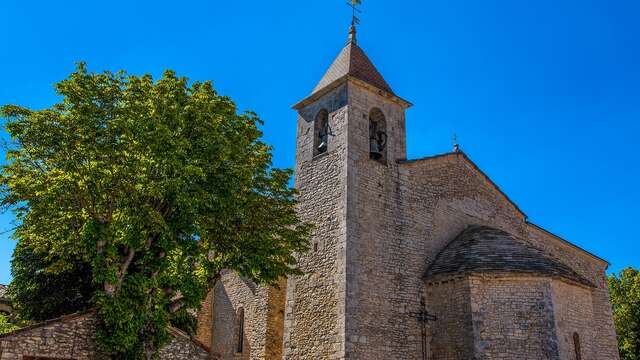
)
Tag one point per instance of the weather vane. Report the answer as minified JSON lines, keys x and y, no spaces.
{"x":353,"y":4}
{"x":454,"y":139}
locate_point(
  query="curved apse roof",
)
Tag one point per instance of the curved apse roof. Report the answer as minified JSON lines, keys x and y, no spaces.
{"x":482,"y":249}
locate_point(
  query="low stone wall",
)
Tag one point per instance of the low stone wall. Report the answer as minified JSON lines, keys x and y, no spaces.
{"x":73,"y":337}
{"x":68,"y":337}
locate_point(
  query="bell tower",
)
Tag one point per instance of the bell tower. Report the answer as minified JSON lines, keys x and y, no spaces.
{"x":350,"y":136}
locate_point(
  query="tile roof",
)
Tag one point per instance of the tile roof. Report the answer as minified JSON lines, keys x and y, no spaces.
{"x":352,"y":61}
{"x":481,"y":249}
{"x":3,"y":291}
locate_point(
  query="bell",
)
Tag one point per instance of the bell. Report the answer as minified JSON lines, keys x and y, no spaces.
{"x":322,"y":147}
{"x":374,"y":149}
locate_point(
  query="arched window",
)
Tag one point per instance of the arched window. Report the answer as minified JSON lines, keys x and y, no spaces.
{"x":377,"y":135}
{"x":240,"y":330}
{"x":321,"y":132}
{"x":576,"y":345}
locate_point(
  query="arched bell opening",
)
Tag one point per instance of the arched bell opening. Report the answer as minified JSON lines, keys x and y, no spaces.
{"x":321,"y":133}
{"x":377,"y":135}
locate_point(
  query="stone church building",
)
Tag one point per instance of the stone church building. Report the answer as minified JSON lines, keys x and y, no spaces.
{"x":410,"y":259}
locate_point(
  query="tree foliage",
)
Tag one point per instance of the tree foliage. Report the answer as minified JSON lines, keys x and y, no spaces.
{"x":40,"y":291}
{"x":6,"y":326}
{"x":160,"y":185}
{"x":625,"y":297}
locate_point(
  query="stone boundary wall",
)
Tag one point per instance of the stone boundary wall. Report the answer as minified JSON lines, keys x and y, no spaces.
{"x":73,"y":337}
{"x":67,"y":337}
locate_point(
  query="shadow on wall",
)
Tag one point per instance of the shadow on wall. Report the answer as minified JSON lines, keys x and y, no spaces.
{"x":230,"y":339}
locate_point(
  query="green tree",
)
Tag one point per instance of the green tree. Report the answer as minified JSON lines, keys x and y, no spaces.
{"x":40,"y":291}
{"x":5,"y":325}
{"x":625,"y":297}
{"x":160,"y":185}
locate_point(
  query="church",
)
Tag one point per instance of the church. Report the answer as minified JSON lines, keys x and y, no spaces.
{"x":410,"y":259}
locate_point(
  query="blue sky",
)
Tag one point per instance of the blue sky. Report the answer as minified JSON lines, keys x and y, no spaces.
{"x":544,"y":95}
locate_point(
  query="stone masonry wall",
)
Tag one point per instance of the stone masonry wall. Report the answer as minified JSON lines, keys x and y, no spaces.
{"x":314,"y":310}
{"x":72,"y":337}
{"x":573,"y":312}
{"x":605,"y":345}
{"x":231,"y":294}
{"x":513,"y":318}
{"x":402,"y":216}
{"x":204,"y":332}
{"x":448,"y":336}
{"x":275,"y":322}
{"x":182,"y":347}
{"x":380,"y":297}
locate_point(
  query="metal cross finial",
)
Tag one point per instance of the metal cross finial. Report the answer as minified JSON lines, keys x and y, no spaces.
{"x":353,"y":4}
{"x":456,"y":146}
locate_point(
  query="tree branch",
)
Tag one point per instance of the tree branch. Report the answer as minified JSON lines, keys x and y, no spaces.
{"x":178,"y":302}
{"x":125,"y":266}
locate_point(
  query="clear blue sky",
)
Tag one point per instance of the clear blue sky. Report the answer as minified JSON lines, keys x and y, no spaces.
{"x":544,"y":95}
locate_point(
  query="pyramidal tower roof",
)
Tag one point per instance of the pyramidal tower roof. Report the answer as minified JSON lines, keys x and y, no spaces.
{"x":352,"y":61}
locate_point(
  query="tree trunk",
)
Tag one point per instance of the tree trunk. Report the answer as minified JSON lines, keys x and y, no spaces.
{"x":149,"y":348}
{"x":148,"y":353}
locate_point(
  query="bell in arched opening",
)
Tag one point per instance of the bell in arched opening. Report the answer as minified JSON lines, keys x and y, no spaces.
{"x":377,"y":135}
{"x":321,"y":135}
